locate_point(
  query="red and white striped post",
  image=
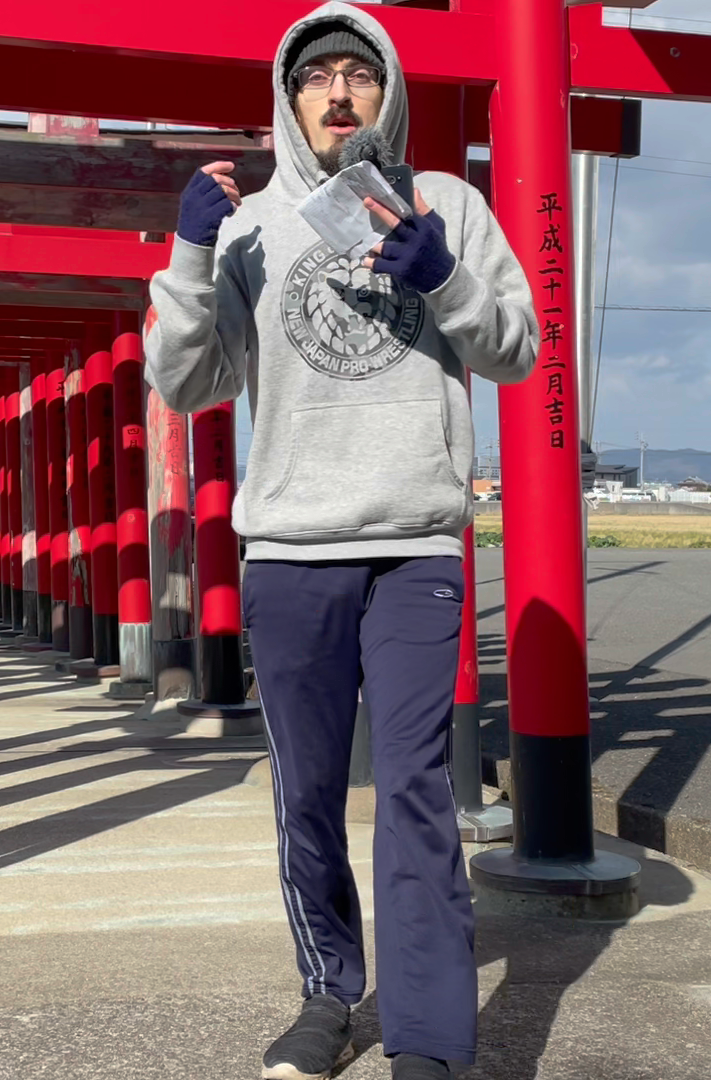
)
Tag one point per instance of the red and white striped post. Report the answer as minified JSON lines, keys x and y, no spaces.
{"x":13,"y":458}
{"x":134,"y":585}
{"x":218,"y":575}
{"x":57,"y":494}
{"x":81,"y":644}
{"x":5,"y":589}
{"x":29,"y":537}
{"x":99,"y":396}
{"x":42,"y":533}
{"x":171,"y":547}
{"x":553,"y":848}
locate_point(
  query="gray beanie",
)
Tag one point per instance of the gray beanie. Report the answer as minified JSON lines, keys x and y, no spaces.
{"x":328,"y":38}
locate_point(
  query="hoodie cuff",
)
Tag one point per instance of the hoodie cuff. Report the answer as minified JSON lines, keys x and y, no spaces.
{"x":461,"y":292}
{"x":192,"y":264}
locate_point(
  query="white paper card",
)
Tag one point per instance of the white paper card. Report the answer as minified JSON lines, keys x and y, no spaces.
{"x":336,"y":212}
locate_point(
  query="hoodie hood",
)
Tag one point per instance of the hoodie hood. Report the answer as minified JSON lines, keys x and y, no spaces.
{"x":297,"y":169}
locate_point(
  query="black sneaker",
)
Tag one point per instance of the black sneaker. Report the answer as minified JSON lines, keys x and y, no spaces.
{"x":413,"y":1067}
{"x":315,"y":1045}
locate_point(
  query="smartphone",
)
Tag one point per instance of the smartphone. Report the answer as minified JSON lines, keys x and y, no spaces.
{"x":401,"y":180}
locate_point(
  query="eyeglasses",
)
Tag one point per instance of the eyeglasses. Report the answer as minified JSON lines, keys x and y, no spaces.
{"x":316,"y":81}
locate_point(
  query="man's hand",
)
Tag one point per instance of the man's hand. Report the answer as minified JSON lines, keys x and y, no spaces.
{"x":210,"y":196}
{"x":416,"y":251}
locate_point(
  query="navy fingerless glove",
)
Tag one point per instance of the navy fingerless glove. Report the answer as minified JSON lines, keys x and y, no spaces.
{"x":416,"y":253}
{"x":203,"y":205}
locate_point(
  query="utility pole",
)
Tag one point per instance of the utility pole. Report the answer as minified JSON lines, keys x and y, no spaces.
{"x":642,"y":447}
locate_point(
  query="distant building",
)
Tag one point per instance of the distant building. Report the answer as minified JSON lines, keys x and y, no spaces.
{"x":627,"y":475}
{"x":695,"y":483}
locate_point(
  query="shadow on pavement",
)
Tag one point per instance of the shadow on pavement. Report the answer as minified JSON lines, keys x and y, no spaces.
{"x":661,"y":718}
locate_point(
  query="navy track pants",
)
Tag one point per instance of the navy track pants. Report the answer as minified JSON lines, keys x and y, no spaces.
{"x":315,"y":630}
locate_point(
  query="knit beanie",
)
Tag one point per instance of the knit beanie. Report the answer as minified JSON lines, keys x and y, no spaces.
{"x":328,"y":38}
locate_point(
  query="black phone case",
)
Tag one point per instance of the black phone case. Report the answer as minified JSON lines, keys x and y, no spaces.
{"x":401,"y":180}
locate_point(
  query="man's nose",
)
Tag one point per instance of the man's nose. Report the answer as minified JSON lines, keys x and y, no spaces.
{"x":340,"y":90}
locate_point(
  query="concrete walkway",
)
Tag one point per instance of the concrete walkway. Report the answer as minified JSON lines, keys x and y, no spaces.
{"x":142,"y":933}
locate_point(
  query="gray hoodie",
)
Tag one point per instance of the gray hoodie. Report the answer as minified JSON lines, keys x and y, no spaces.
{"x":363,"y":441}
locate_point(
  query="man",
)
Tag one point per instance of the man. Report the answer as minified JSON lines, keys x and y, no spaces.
{"x":357,"y":493}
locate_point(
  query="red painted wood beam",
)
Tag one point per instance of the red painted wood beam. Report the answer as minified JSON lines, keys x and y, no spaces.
{"x":437,"y":45}
{"x":42,"y":328}
{"x":135,"y":88}
{"x":642,"y":63}
{"x":33,"y":344}
{"x":20,"y":313}
{"x":604,"y":126}
{"x":43,"y":254}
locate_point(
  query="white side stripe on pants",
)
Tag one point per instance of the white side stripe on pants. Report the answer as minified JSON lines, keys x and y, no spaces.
{"x":317,"y":981}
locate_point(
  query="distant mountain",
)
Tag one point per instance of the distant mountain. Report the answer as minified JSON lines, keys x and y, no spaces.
{"x":671,"y":465}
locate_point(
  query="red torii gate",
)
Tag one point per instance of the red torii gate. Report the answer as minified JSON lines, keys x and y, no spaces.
{"x":521,"y":59}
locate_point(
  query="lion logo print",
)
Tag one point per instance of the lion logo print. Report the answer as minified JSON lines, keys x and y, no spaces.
{"x":346,"y":321}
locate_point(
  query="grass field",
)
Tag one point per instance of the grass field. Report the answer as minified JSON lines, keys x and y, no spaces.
{"x":638,"y":531}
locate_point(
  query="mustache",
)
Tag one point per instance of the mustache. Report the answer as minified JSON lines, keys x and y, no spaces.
{"x":336,"y":113}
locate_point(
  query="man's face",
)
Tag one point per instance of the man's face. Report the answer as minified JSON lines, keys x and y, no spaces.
{"x":327,"y":116}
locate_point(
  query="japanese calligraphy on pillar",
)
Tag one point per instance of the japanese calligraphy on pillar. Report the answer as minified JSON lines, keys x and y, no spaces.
{"x":174,"y":450}
{"x":553,"y":326}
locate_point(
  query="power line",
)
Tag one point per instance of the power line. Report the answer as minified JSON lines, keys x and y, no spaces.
{"x":685,"y":161}
{"x":668,"y":18}
{"x":645,"y":307}
{"x":666,"y":172}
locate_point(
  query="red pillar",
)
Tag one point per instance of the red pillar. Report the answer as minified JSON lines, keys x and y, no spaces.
{"x":540,"y":452}
{"x":170,"y":538}
{"x":29,"y":537}
{"x":42,"y":533}
{"x":57,"y":495}
{"x":218,"y":575}
{"x":5,"y":590}
{"x":99,"y":394}
{"x":134,"y":589}
{"x":80,"y":619}
{"x":13,"y":457}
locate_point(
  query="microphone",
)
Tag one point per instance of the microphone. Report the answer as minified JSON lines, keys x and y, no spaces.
{"x":369,"y":144}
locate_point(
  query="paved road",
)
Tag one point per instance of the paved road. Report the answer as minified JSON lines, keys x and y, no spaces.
{"x":649,"y":630}
{"x":647,"y":608}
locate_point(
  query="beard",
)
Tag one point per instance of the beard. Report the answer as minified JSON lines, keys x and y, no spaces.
{"x":329,"y":159}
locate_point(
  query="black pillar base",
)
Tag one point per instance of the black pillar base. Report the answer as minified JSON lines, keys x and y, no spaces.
{"x":604,"y":887}
{"x":106,"y":640}
{"x":29,"y":613}
{"x":465,"y":753}
{"x":91,"y":671}
{"x":16,"y":606}
{"x":221,"y":669}
{"x":44,"y":618}
{"x":130,"y":689}
{"x":81,"y":633}
{"x":478,"y":824}
{"x":361,"y":770}
{"x":242,"y":722}
{"x":223,"y":692}
{"x":551,"y":777}
{"x":6,"y":592}
{"x":60,"y":625}
{"x":174,"y":668}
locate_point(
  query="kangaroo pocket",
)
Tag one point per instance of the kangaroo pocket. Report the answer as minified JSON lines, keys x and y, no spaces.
{"x":381,"y":467}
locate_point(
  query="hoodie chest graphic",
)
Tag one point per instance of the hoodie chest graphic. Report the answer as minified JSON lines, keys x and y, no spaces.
{"x":344,"y":320}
